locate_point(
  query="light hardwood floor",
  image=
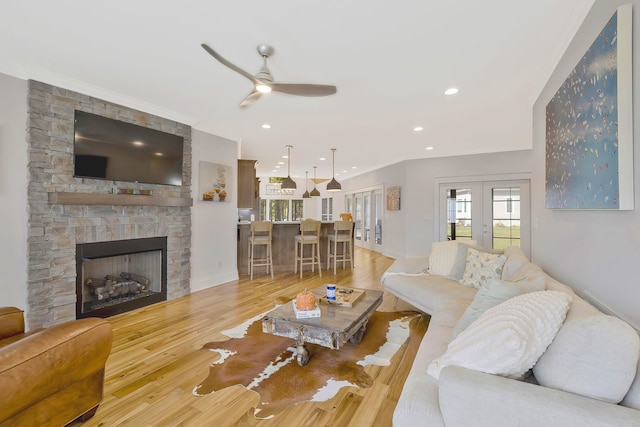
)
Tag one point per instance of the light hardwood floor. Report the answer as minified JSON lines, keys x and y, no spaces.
{"x":157,"y":358}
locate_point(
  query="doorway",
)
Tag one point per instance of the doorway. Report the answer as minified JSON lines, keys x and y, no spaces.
{"x":367,"y":208}
{"x":496,"y":214}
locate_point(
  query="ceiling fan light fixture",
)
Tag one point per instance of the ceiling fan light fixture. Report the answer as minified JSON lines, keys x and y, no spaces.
{"x":314,"y":192}
{"x":288,"y":183}
{"x":334,"y":185}
{"x":262,"y":88}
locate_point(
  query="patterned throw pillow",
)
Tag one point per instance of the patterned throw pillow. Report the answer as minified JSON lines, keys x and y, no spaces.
{"x":480,"y":266}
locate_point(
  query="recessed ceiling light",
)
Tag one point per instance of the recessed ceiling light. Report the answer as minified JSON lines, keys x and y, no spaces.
{"x":277,"y":166}
{"x":429,"y":148}
{"x":418,"y":128}
{"x":344,"y":171}
{"x":451,"y":91}
{"x":322,"y":158}
{"x":138,"y":143}
{"x":159,"y":154}
{"x":285,"y":157}
{"x":266,"y":126}
{"x":281,"y":163}
{"x":354,"y":167}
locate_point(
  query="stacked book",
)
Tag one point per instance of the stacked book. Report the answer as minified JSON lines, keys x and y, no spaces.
{"x":305,"y":314}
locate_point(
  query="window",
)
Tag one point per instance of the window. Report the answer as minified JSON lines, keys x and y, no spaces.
{"x":281,"y":209}
{"x":297,"y":210}
{"x":327,"y":209}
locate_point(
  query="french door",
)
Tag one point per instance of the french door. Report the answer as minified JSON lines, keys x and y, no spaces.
{"x":367,"y":208}
{"x":495,"y":214}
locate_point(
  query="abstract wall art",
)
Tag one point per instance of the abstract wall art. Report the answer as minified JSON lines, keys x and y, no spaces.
{"x":589,"y":126}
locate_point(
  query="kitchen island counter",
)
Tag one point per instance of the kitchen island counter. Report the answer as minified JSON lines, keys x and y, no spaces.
{"x":283,"y":246}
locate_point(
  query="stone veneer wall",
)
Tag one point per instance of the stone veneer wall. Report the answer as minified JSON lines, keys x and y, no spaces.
{"x":54,"y":230}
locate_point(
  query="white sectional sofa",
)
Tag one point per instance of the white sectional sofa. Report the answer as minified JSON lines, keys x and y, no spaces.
{"x":587,"y":376}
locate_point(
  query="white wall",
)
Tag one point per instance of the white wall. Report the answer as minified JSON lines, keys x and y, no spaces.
{"x":410,"y":231}
{"x":592,"y":251}
{"x":214,"y":225}
{"x":13,"y":192}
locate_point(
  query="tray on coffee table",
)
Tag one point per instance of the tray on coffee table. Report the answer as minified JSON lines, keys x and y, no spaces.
{"x":335,"y":326}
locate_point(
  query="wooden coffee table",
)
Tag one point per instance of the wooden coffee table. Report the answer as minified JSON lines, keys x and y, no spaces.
{"x":336,"y":325}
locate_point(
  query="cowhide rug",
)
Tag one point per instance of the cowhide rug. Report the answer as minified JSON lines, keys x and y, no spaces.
{"x":267,"y":363}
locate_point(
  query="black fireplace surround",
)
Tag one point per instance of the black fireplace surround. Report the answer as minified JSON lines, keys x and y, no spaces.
{"x":118,"y":276}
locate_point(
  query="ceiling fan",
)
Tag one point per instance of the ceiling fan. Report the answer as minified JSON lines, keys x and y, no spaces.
{"x":263,"y":81}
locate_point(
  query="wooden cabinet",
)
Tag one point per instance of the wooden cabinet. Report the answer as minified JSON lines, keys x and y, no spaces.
{"x":248,"y":189}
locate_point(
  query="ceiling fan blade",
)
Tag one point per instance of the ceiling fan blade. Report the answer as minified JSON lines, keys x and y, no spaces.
{"x":226,"y":63}
{"x":303,"y":89}
{"x":250,"y":99}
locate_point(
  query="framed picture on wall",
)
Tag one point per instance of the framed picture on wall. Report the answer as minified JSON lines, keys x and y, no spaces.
{"x":393,"y":198}
{"x":589,"y":126}
{"x":214,"y":180}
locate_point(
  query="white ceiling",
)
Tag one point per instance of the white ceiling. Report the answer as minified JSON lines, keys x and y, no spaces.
{"x":391,"y":62}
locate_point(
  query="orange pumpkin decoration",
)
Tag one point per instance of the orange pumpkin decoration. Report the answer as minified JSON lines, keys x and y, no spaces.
{"x":305,"y":300}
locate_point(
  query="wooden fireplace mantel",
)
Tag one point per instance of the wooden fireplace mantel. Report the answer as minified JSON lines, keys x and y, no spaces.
{"x":71,"y":198}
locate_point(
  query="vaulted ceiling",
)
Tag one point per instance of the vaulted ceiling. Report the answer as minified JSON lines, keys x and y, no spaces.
{"x":391,"y":63}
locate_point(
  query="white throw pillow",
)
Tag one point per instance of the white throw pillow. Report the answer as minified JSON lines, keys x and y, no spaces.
{"x":480,"y":266}
{"x":492,"y":293}
{"x":509,"y":338}
{"x":448,"y":258}
{"x":595,"y":356}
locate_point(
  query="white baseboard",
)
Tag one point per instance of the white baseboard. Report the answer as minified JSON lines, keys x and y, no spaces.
{"x":210,"y":282}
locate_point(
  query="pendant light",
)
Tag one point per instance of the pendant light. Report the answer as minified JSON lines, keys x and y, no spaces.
{"x":306,"y":194}
{"x":288,"y":184}
{"x":314,"y":192}
{"x":334,"y":185}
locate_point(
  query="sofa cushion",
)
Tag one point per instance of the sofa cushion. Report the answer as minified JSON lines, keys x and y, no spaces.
{"x":416,"y":266}
{"x":632,"y":398}
{"x":427,"y":291}
{"x":515,"y":260}
{"x":595,"y":356}
{"x":509,"y":338}
{"x":492,"y":293}
{"x":480,"y":266}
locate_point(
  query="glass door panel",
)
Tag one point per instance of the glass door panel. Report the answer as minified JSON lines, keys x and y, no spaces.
{"x":378,"y":212}
{"x":357,"y":218}
{"x":507,"y":215}
{"x":367,"y":216}
{"x":459,"y":218}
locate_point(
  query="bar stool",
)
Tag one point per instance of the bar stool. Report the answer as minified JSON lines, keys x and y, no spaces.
{"x":309,"y":235}
{"x":342,"y":233}
{"x":260,"y":235}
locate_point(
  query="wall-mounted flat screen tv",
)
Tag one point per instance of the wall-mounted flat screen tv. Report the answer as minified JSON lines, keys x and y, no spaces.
{"x":114,"y":150}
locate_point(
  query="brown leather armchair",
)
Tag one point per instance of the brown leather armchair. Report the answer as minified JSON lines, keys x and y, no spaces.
{"x":52,"y":376}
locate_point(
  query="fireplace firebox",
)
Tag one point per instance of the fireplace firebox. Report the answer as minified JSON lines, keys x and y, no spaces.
{"x":118,"y":276}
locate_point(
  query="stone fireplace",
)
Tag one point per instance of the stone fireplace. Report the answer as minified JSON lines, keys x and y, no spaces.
{"x":64,"y":211}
